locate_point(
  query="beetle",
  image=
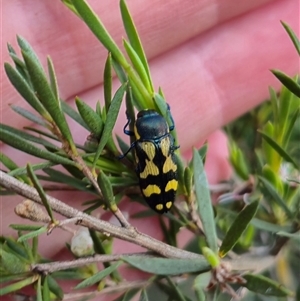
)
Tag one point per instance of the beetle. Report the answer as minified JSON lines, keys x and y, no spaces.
{"x":156,"y":164}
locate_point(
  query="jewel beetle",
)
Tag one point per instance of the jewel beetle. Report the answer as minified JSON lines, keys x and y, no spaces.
{"x":156,"y":164}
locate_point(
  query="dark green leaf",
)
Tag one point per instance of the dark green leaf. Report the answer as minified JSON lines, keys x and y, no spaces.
{"x":107,"y":82}
{"x":265,"y":286}
{"x":276,"y":197}
{"x":29,"y":137}
{"x":238,"y":227}
{"x":13,"y":264}
{"x":25,"y":90}
{"x":291,"y":123}
{"x":288,"y":82}
{"x":73,"y":114}
{"x":23,"y":145}
{"x":167,"y":266}
{"x":90,"y":117}
{"x":17,"y":248}
{"x":44,"y":91}
{"x":175,"y":289}
{"x":205,"y":208}
{"x":278,"y":148}
{"x":98,"y":277}
{"x":54,"y":287}
{"x":111,"y":118}
{"x":106,"y":188}
{"x":293,"y":36}
{"x":37,"y":185}
{"x":60,"y":177}
{"x":46,"y":290}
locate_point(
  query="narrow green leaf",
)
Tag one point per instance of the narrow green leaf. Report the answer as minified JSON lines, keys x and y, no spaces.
{"x":106,"y":188}
{"x":29,"y":137}
{"x":90,"y":117}
{"x":200,"y":284}
{"x":17,"y":248}
{"x":22,"y":170}
{"x":237,"y":228}
{"x":17,"y":286}
{"x":119,"y":71}
{"x":276,"y":197}
{"x":37,"y":185}
{"x":107,"y":82}
{"x":292,"y":35}
{"x":39,"y":290}
{"x":265,"y":286}
{"x":73,"y":114}
{"x":54,"y":287}
{"x":20,"y":227}
{"x":7,"y":162}
{"x":178,"y":294}
{"x":111,"y":118}
{"x":61,"y":177}
{"x":138,"y":65}
{"x":52,"y":77}
{"x":205,"y":208}
{"x":294,"y":236}
{"x":46,"y":290}
{"x":98,"y":277}
{"x":288,"y":82}
{"x":134,"y":39}
{"x":144,"y":296}
{"x":25,"y":90}
{"x":274,"y":101}
{"x":44,"y":91}
{"x":188,"y":181}
{"x":278,"y":148}
{"x":12,"y":263}
{"x":28,"y":115}
{"x":32,"y":234}
{"x":23,"y":145}
{"x":291,"y":123}
{"x":98,"y":29}
{"x":167,"y":266}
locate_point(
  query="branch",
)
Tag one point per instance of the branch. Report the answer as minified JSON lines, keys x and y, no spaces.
{"x":127,"y":234}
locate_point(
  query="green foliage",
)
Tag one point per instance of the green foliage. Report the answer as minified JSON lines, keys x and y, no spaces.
{"x":260,"y":207}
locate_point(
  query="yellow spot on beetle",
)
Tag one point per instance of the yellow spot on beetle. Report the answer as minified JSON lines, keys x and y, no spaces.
{"x":171,"y":185}
{"x":150,"y":189}
{"x":169,"y":165}
{"x":136,"y":134}
{"x":169,"y":205}
{"x":165,"y":146}
{"x":150,"y":169}
{"x":159,"y":207}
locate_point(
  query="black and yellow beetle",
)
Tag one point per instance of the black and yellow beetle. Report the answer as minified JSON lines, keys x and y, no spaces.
{"x":156,"y":165}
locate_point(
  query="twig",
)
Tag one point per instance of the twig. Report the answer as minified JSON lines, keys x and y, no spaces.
{"x":51,"y":267}
{"x":128,"y":234}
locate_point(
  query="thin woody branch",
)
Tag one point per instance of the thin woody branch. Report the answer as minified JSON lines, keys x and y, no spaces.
{"x":128,"y":234}
{"x":63,"y":265}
